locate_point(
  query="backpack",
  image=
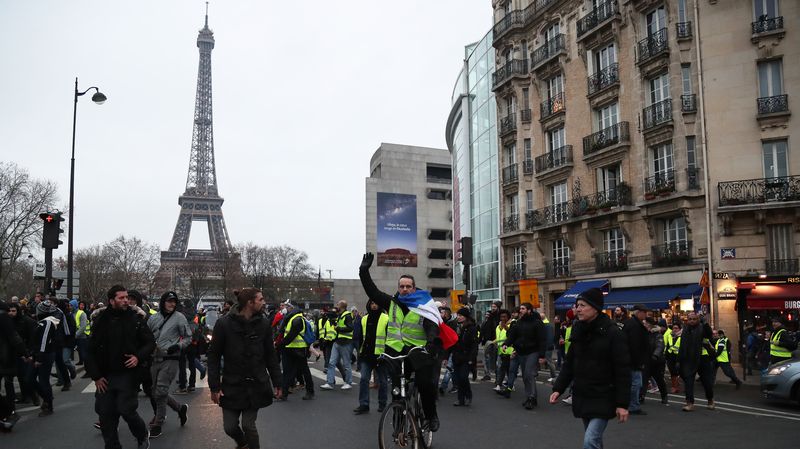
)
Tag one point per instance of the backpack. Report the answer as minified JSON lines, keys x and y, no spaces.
{"x":308,"y":331}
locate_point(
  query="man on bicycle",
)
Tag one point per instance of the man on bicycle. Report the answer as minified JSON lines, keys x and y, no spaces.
{"x":407,"y":328}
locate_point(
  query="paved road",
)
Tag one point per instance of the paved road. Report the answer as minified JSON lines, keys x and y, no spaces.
{"x":742,"y":419}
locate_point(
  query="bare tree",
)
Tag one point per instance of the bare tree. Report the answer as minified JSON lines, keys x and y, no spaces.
{"x":22,"y":199}
{"x":288,"y":263}
{"x":133,"y":262}
{"x":95,"y":272}
{"x":254,"y":264}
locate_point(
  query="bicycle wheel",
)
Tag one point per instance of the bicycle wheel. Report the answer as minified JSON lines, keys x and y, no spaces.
{"x":397,"y":428}
{"x":425,"y":435}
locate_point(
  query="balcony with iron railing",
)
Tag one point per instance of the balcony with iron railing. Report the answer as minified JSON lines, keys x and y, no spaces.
{"x":597,"y":16}
{"x":607,"y":77}
{"x":510,"y":174}
{"x":773,"y":105}
{"x":558,"y":157}
{"x":525,"y":115}
{"x":672,"y":254}
{"x":611,"y":261}
{"x":512,"y":68}
{"x":527,"y":166}
{"x":657,"y":114}
{"x":605,"y":138}
{"x":512,"y":20}
{"x":549,"y":50}
{"x":652,"y":46}
{"x":759,"y":191}
{"x":508,"y":124}
{"x":660,"y":184}
{"x":579,"y":208}
{"x":515,"y":272}
{"x":511,"y":223}
{"x":683,"y":30}
{"x":782,"y":267}
{"x":552,"y":106}
{"x":556,"y":268}
{"x":766,"y":24}
{"x":689,"y":103}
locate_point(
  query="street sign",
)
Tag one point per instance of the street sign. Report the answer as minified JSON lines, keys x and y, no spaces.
{"x":727,"y":253}
{"x":38,"y":271}
{"x":722,"y":275}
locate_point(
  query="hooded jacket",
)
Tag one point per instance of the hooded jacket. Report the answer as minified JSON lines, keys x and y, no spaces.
{"x":11,"y":345}
{"x":116,"y":333}
{"x":466,"y":349}
{"x":527,"y":335}
{"x":638,"y":342}
{"x":171,"y":333}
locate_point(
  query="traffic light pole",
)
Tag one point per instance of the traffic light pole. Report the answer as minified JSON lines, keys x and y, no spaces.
{"x":48,"y":271}
{"x":71,"y":196}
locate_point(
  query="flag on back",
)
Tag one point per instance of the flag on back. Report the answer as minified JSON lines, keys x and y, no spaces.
{"x":421,"y":303}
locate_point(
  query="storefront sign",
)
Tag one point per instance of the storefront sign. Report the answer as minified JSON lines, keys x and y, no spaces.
{"x":726,"y":295}
{"x":793,"y":280}
{"x":727,"y":253}
{"x":721,"y":275}
{"x":792,"y":304}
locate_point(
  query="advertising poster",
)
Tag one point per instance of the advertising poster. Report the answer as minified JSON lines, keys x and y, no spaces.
{"x":397,"y":230}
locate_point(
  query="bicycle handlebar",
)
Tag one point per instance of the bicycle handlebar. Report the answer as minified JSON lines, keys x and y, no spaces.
{"x":401,"y":357}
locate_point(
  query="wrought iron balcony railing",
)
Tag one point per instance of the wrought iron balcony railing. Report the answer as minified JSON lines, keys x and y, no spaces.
{"x":510,"y":69}
{"x":683,"y":30}
{"x":662,"y":183}
{"x":778,"y":267}
{"x":508,"y":124}
{"x":581,"y":206}
{"x":514,"y":19}
{"x":605,"y":200}
{"x":548,"y":50}
{"x":554,"y":159}
{"x":515,"y":272}
{"x":611,"y":261}
{"x":653,"y":45}
{"x":657,"y":113}
{"x":510,"y":174}
{"x":527,"y":166}
{"x":672,"y":254}
{"x":765,"y":24}
{"x":604,"y":78}
{"x":511,"y":223}
{"x":556,"y":268}
{"x":771,"y":105}
{"x":598,"y":15}
{"x":759,"y":191}
{"x":606,"y":137}
{"x":525,"y":115}
{"x":693,"y":178}
{"x":553,"y":105}
{"x":688,"y":103}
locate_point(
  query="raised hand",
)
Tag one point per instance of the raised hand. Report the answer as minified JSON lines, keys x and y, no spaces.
{"x":366,"y":261}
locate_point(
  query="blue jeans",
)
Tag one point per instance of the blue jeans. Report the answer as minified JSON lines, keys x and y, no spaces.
{"x":593,"y":437}
{"x":636,"y":388}
{"x":490,"y":359}
{"x":448,"y":373}
{"x":363,"y":387}
{"x":340,"y":351}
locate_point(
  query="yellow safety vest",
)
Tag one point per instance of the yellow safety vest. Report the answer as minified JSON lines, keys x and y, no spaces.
{"x":706,"y":343}
{"x":671,"y":344}
{"x":404,"y":330}
{"x":567,"y":334}
{"x":500,"y":339}
{"x":78,"y":318}
{"x":775,"y":349}
{"x":340,"y":323}
{"x":298,"y":341}
{"x":380,"y":333}
{"x":723,"y":356}
{"x":327,"y":331}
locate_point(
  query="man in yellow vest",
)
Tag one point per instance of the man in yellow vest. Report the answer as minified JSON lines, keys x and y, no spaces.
{"x":326,"y":334}
{"x":342,"y":349}
{"x":504,"y":354}
{"x":672,"y":341}
{"x":407,"y":329}
{"x":694,"y":357}
{"x":371,"y":344}
{"x":294,"y":352}
{"x":81,"y":324}
{"x":781,"y":344}
{"x":723,"y":347}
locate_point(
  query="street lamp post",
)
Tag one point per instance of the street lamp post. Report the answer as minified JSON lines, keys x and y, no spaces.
{"x":98,"y":98}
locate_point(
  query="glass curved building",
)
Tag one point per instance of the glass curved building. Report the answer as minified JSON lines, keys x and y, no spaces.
{"x":472,"y":141}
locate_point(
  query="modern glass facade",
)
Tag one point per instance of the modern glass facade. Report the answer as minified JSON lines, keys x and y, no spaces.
{"x":472,"y":141}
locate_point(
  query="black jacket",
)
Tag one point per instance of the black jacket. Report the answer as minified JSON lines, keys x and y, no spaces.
{"x":250,"y":361}
{"x":638,"y":342}
{"x":527,"y":335}
{"x":466,"y":349}
{"x":366,"y":336}
{"x":598,"y":362}
{"x":489,"y":327}
{"x":25,"y":327}
{"x":11,"y":345}
{"x":692,"y":344}
{"x":116,"y":333}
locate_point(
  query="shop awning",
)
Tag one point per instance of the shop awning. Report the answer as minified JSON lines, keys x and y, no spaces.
{"x":567,"y":299}
{"x":774,"y":297}
{"x":652,"y":297}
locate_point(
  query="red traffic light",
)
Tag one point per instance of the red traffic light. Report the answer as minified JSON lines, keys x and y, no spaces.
{"x":47,"y":217}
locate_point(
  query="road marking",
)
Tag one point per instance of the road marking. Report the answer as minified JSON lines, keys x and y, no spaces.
{"x":731,"y":404}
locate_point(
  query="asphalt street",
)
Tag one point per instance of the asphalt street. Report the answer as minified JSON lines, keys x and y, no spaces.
{"x":742,"y":419}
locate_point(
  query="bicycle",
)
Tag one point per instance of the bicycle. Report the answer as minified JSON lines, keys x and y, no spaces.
{"x":404,"y":415}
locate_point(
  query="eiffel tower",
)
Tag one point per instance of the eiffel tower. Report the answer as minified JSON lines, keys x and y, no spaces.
{"x":180,"y":266}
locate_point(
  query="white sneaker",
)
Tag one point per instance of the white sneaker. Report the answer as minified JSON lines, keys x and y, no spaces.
{"x":345,"y":387}
{"x":497,"y":388}
{"x":567,"y":401}
{"x":326,"y":386}
{"x":551,"y":379}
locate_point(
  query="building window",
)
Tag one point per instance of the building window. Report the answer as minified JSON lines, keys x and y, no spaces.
{"x":524,"y":49}
{"x":439,"y":173}
{"x":512,"y":204}
{"x":659,"y":88}
{"x":656,"y":20}
{"x":686,"y":76}
{"x":682,"y":11}
{"x":519,"y":259}
{"x":691,"y":157}
{"x":675,"y":232}
{"x":775,"y":160}
{"x":769,"y":78}
{"x":435,"y":194}
{"x":440,"y":292}
{"x":613,"y":240}
{"x":438,"y":253}
{"x":555,"y":139}
{"x":511,"y":153}
{"x":605,"y":57}
{"x":663,"y":160}
{"x":527,"y":148}
{"x":765,"y":9}
{"x":551,"y":32}
{"x":607,"y":116}
{"x":608,"y":178}
{"x":438,"y":234}
{"x":525,"y":98}
{"x":560,"y":258}
{"x":529,"y":200}
{"x":558,"y":200}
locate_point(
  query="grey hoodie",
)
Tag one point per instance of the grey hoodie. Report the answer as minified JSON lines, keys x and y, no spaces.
{"x":169,"y":330}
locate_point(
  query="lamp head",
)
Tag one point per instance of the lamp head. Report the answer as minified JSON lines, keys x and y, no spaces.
{"x":99,"y":97}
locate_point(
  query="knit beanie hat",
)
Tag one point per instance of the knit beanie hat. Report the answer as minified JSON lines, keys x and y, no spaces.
{"x":593,"y":297}
{"x":464,"y":311}
{"x":45,"y":308}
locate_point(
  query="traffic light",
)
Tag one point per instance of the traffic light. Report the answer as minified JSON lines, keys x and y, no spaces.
{"x":51,"y":230}
{"x":57,"y":283}
{"x":465,"y":250}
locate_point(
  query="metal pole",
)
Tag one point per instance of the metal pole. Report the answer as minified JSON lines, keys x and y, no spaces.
{"x":48,"y":272}
{"x":71,"y":196}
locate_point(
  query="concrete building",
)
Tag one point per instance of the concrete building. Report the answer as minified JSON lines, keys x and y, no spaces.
{"x":351,"y":291}
{"x":409,"y":222}
{"x":471,"y":137}
{"x":599,"y":134}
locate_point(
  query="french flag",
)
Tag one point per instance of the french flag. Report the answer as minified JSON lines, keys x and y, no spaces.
{"x":421,"y":303}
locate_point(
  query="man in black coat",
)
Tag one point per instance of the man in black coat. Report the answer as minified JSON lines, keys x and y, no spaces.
{"x":463,"y":355}
{"x":598,"y":366}
{"x":12,"y":347}
{"x":487,"y":338}
{"x":25,"y":327}
{"x":639,"y":345}
{"x":120,"y":339}
{"x":695,"y":357}
{"x":527,"y":338}
{"x":245,"y":383}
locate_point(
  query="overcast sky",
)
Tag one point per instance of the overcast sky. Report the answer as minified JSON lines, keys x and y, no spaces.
{"x":304,"y":93}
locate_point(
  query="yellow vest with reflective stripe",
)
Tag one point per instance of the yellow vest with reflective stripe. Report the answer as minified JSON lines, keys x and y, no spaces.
{"x":567,"y":334}
{"x":298,"y":341}
{"x":722,"y":344}
{"x":340,"y":323}
{"x":78,"y":318}
{"x":326,"y":332}
{"x":706,"y":343}
{"x":380,"y":333}
{"x":404,"y":330}
{"x":671,"y":344}
{"x":774,"y":346}
{"x":501,"y":334}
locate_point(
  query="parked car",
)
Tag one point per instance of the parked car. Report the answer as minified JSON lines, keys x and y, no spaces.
{"x":782,"y":380}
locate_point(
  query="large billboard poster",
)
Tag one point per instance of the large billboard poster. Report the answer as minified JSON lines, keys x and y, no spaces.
{"x":397,"y":230}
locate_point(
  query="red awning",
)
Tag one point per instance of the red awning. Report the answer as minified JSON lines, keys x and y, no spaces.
{"x":774,"y":297}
